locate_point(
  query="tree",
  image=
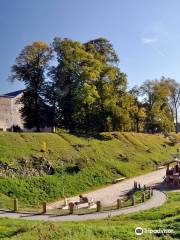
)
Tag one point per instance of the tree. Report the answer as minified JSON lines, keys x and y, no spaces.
{"x":89,"y":86}
{"x":155,"y":96}
{"x":103,"y":50}
{"x":174,"y":99}
{"x":30,"y":68}
{"x":73,"y":80}
{"x":138,"y":111}
{"x":111,"y":86}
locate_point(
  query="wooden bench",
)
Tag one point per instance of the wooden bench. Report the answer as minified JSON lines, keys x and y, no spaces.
{"x":118,"y":179}
{"x":160,"y":167}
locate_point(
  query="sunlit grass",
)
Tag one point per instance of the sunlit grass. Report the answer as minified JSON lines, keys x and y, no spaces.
{"x":97,"y":161}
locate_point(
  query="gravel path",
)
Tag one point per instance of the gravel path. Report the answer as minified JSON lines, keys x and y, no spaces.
{"x":157,"y":200}
{"x":109,"y":195}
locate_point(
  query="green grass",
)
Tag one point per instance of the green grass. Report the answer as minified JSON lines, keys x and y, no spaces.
{"x":119,"y":227}
{"x":89,"y":162}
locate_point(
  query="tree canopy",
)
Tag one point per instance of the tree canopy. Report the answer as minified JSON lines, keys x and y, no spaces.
{"x":84,"y":90}
{"x":30,"y":68}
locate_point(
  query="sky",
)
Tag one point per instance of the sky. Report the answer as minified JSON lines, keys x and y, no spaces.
{"x":145,"y":34}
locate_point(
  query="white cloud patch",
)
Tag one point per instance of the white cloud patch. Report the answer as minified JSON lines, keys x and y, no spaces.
{"x":153,"y":42}
{"x":150,"y":40}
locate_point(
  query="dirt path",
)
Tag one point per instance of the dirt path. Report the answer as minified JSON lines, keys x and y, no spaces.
{"x":109,"y":195}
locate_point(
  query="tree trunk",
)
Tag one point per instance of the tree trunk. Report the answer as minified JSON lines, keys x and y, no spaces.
{"x":87,"y":127}
{"x":176,"y":117}
{"x":37,"y":120}
{"x":137,"y":125}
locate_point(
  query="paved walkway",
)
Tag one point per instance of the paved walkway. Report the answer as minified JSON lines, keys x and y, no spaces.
{"x":157,"y":200}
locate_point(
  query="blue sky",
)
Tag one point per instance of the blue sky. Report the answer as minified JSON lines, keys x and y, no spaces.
{"x":145,"y":34}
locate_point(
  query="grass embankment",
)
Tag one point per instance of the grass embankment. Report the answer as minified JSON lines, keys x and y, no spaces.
{"x":88,"y":162}
{"x":120,"y":227}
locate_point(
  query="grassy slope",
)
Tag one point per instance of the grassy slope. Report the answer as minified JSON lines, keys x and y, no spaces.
{"x":99,"y":160}
{"x":120,"y":227}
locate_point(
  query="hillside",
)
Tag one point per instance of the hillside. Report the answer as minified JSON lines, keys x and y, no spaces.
{"x":31,"y":168}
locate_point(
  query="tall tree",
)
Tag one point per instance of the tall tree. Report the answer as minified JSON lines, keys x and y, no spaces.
{"x":111,"y":85}
{"x":138,"y":111}
{"x":174,"y":99}
{"x":73,"y":79}
{"x":155,"y":96}
{"x":88,"y":84}
{"x":30,"y":68}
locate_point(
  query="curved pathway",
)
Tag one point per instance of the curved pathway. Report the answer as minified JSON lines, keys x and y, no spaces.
{"x":156,"y":200}
{"x":109,"y":195}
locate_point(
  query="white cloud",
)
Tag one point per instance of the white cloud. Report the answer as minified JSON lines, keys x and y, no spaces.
{"x":150,"y":40}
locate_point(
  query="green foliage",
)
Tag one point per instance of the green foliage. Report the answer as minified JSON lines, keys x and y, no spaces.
{"x":30,"y":68}
{"x":158,"y":114}
{"x":86,"y":91}
{"x":88,"y":85}
{"x":174,"y":99}
{"x":138,"y":110}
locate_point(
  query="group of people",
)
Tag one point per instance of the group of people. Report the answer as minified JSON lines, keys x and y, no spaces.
{"x":173,"y":174}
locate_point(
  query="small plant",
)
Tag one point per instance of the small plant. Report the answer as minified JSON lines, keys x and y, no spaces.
{"x":44,"y":147}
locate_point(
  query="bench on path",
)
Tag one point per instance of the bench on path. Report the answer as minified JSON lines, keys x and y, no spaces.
{"x":116,"y":180}
{"x":84,"y":202}
{"x":160,"y":167}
